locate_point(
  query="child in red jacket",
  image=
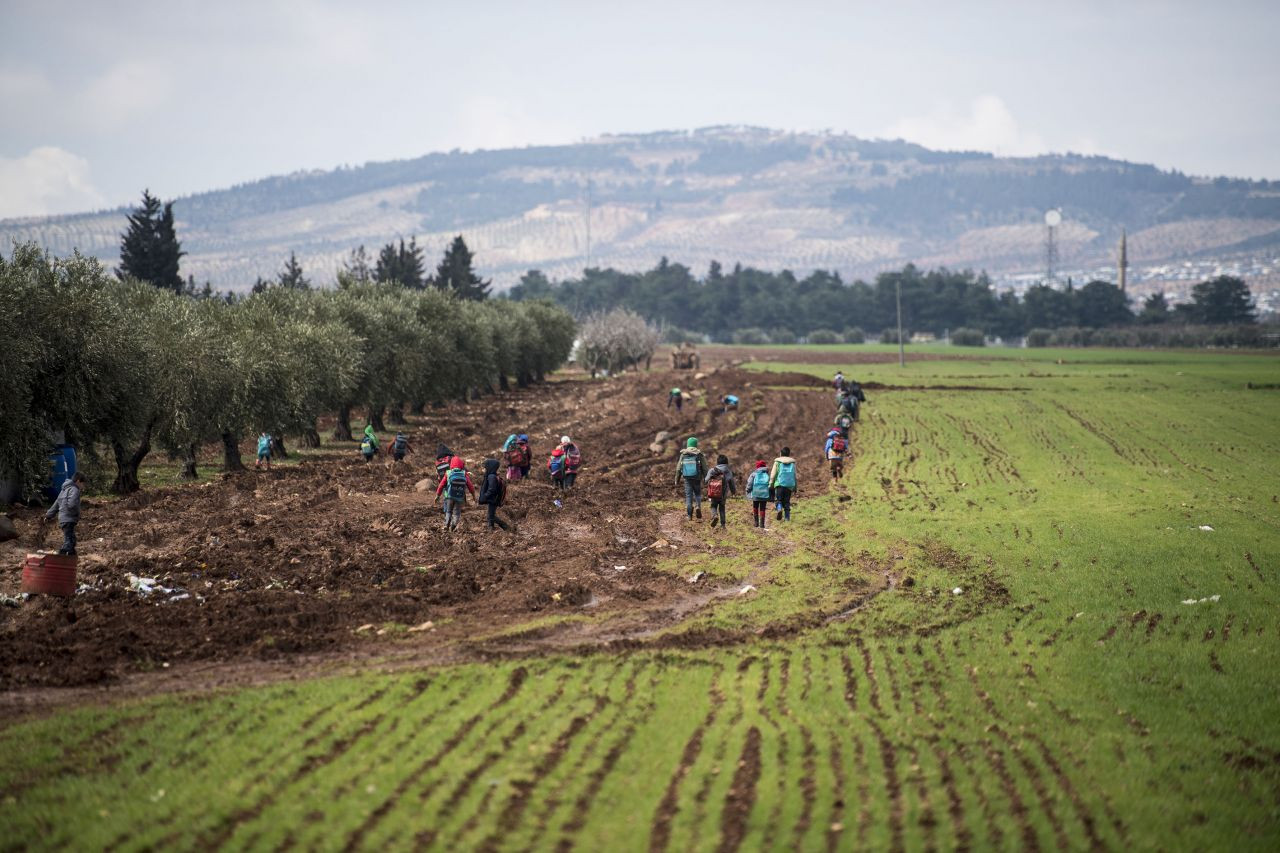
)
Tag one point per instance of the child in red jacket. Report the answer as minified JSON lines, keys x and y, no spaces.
{"x":454,"y":485}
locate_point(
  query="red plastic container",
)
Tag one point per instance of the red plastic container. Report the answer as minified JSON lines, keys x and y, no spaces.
{"x":49,"y":574}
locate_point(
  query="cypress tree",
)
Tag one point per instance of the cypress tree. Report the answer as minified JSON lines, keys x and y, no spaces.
{"x":149,"y":248}
{"x":402,"y":265}
{"x":455,"y":273}
{"x":292,"y":277}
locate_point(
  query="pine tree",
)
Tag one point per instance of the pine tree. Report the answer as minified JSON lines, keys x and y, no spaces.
{"x":357,"y":266}
{"x":455,"y":273}
{"x":291,"y":276}
{"x":402,"y":265}
{"x":149,"y":248}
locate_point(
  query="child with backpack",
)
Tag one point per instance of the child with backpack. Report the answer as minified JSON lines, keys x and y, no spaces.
{"x":572,"y":462}
{"x":843,"y":422}
{"x":782,"y":478}
{"x":719,"y":483}
{"x":369,"y":445}
{"x":513,"y":457}
{"x":757,"y":489}
{"x":555,"y":467}
{"x":493,"y":493}
{"x":398,"y":447}
{"x":454,"y":486}
{"x":264,"y":451}
{"x":834,"y":451}
{"x":691,"y":467}
{"x":443,"y":457}
{"x":526,"y":452}
{"x":675,"y":397}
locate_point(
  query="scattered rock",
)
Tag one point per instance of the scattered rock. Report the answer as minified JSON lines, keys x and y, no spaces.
{"x":697,"y":576}
{"x":662,"y":436}
{"x":957,"y":591}
{"x":8,"y":530}
{"x":657,"y":447}
{"x":746,"y":589}
{"x":425,"y":626}
{"x":424,"y":485}
{"x":698,"y":377}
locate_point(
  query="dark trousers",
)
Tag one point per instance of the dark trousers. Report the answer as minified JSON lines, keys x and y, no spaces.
{"x":569,"y":477}
{"x":68,"y":538}
{"x":717,"y":506}
{"x":493,"y":518}
{"x":783,"y":496}
{"x":759,"y":509}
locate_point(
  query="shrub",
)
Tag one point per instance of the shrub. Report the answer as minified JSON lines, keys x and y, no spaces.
{"x":855,"y":335}
{"x":890,"y":336}
{"x":823,"y":336}
{"x":782,"y":336}
{"x":963,"y":337}
{"x":677,"y":335}
{"x":750,"y":337}
{"x":1039,"y":338}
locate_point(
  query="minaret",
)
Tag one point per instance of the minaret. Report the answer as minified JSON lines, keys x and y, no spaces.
{"x":1123,"y":260}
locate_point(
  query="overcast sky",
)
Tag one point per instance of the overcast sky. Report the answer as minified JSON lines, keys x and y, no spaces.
{"x":99,"y":99}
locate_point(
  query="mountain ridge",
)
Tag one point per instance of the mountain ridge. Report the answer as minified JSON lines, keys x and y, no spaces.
{"x":761,"y":197}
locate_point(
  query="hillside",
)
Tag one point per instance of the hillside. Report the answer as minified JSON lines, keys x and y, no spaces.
{"x":763,"y":198}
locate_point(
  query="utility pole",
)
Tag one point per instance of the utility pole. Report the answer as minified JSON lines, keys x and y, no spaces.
{"x":902,"y":351}
{"x":1123,"y":262}
{"x":588,"y":264}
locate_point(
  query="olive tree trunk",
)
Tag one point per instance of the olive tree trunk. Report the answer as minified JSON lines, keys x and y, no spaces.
{"x":189,"y":471}
{"x":342,"y":429}
{"x":231,"y":453}
{"x":127,"y":463}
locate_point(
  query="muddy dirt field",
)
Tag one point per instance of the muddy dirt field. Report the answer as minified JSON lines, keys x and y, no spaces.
{"x":330,"y":560}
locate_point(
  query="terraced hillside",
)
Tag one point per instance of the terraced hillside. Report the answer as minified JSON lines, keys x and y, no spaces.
{"x":1009,"y":626}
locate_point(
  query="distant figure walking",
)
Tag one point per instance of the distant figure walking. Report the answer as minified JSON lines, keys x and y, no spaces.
{"x":676,"y":397}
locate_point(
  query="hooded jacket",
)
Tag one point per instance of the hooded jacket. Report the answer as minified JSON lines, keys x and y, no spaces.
{"x":723,"y":467}
{"x":773,"y":470}
{"x":67,"y":505}
{"x":702,"y":463}
{"x":491,"y":487}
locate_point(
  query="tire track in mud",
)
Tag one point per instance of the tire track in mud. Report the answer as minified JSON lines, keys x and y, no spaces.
{"x":888,"y":754}
{"x":660,"y":831}
{"x":519,"y":801}
{"x":742,"y":795}
{"x":955,"y":806}
{"x":582,"y":805}
{"x":551,"y":801}
{"x":515,"y":682}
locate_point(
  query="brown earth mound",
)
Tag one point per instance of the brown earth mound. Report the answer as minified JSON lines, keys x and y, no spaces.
{"x":333,"y":558}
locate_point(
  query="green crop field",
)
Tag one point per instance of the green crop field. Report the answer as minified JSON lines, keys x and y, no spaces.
{"x":1075,"y":643}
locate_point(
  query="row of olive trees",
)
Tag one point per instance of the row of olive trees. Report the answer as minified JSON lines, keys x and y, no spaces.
{"x":615,"y":341}
{"x":130,"y":367}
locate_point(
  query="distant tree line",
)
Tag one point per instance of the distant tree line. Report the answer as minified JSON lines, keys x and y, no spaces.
{"x":747,"y":304}
{"x":121,"y":366}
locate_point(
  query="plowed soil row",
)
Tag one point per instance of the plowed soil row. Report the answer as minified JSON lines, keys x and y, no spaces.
{"x":281,"y":568}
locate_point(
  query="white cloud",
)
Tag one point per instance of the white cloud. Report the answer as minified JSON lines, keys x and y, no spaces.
{"x":124,"y":92}
{"x":45,"y":181}
{"x":987,"y":126}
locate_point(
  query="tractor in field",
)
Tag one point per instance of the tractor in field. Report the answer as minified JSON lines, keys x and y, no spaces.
{"x":685,"y":357}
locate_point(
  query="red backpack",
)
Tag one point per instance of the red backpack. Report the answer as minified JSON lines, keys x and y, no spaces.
{"x":514,"y":457}
{"x":715,"y":486}
{"x":838,"y":444}
{"x":572,"y":459}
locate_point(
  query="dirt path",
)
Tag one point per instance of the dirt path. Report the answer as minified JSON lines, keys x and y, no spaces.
{"x":280,"y":570}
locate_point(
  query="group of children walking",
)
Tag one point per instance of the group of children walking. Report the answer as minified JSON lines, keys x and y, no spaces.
{"x":849,"y":400}
{"x":766,"y":483}
{"x":456,"y":482}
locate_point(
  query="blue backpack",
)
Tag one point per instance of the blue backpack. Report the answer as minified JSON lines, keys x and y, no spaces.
{"x":786,"y":475}
{"x":368,"y":446}
{"x":264,"y":444}
{"x":457,"y":484}
{"x":758,"y":488}
{"x":689,"y":465}
{"x":401,"y":443}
